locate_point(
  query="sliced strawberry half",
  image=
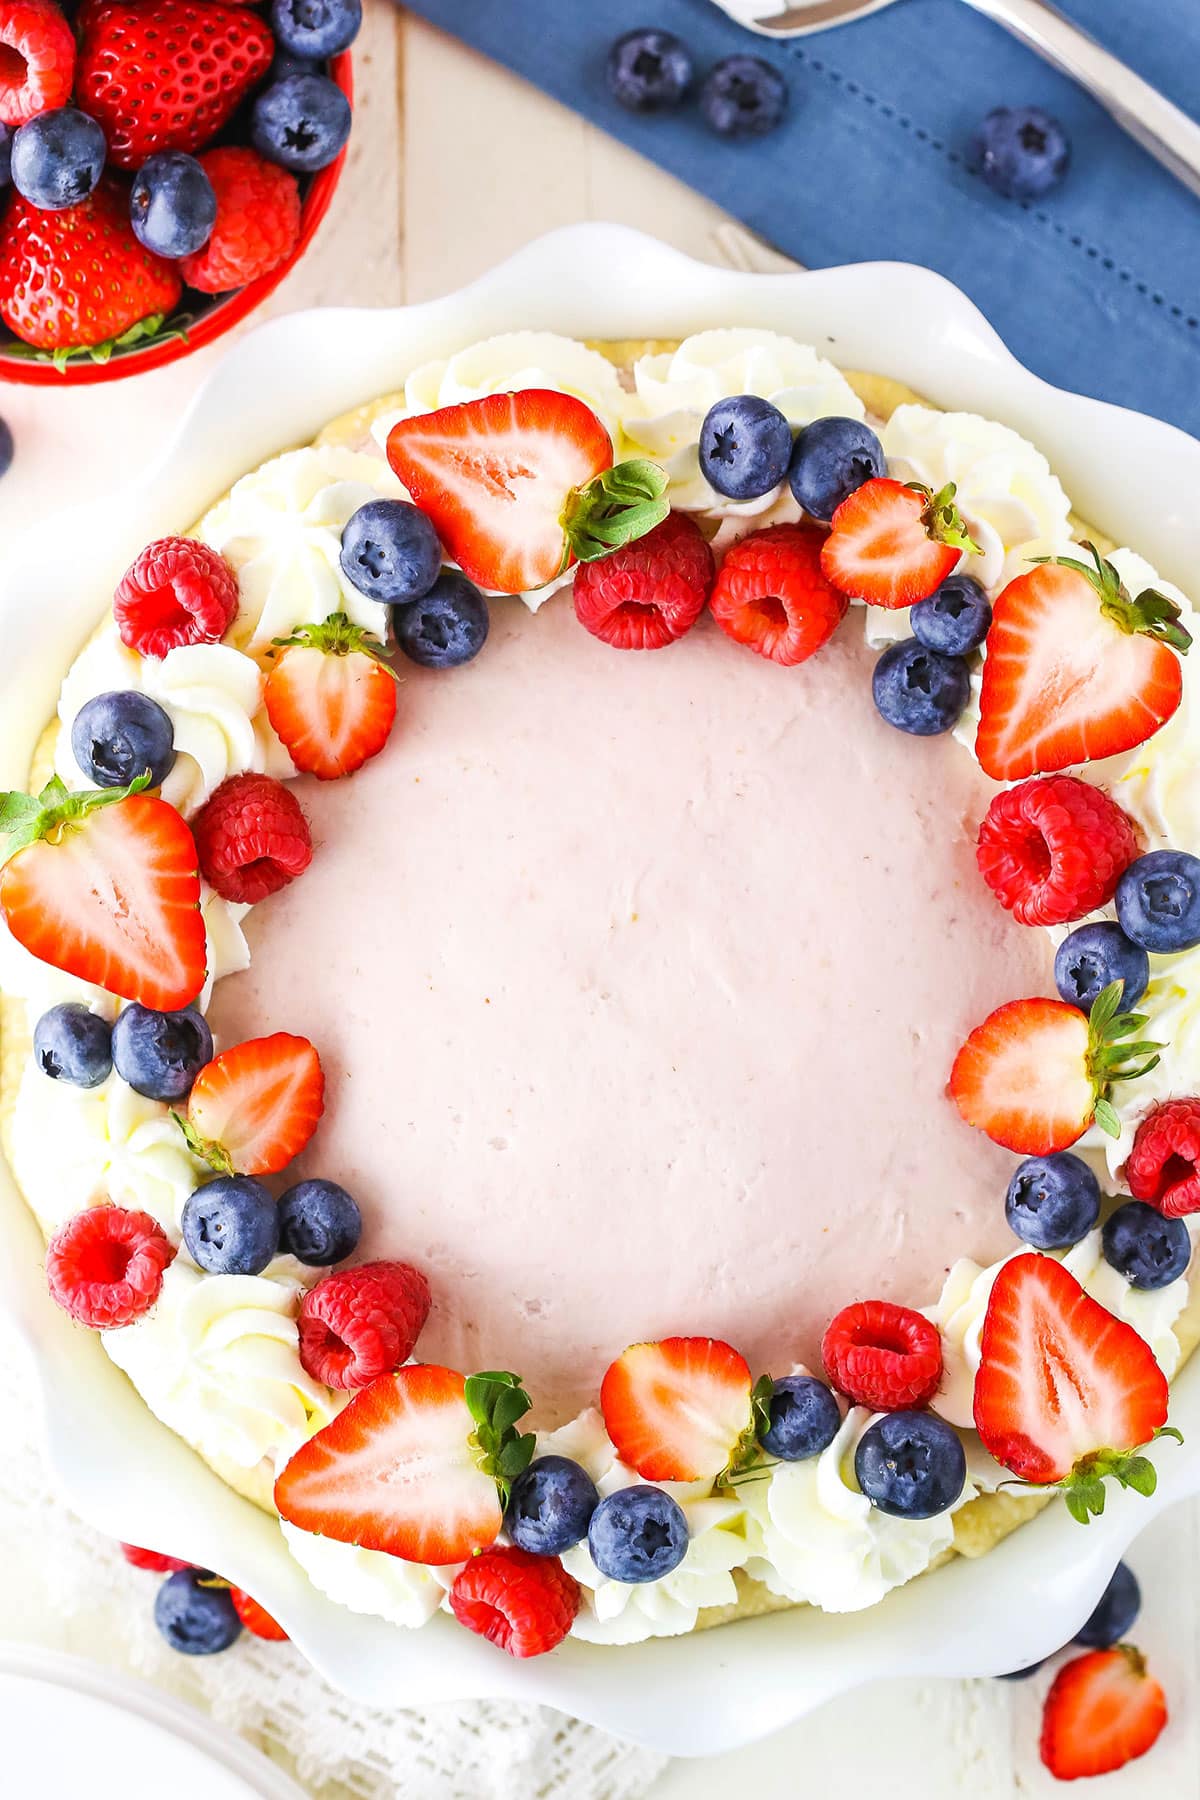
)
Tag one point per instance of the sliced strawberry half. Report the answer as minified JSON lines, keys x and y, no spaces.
{"x":1076,"y":669}
{"x":106,"y":886}
{"x":519,"y":486}
{"x":892,"y":543}
{"x":681,"y":1409}
{"x":1066,"y":1393}
{"x":1102,"y":1711}
{"x":254,"y":1108}
{"x":331,"y":697}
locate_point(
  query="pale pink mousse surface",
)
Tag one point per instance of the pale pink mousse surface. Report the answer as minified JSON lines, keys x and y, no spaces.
{"x":637,"y":980}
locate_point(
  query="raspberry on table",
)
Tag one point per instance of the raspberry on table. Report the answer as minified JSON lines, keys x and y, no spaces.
{"x":105,"y":1266}
{"x":361,"y":1323}
{"x":38,"y":68}
{"x":251,"y":838}
{"x":522,"y":1603}
{"x":1053,"y":848}
{"x":883,"y":1356}
{"x":650,"y":592}
{"x":258,"y":221}
{"x":177,"y":592}
{"x":1164,"y":1164}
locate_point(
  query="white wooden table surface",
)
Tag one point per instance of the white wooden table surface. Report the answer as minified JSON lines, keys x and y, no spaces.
{"x":454,"y":164}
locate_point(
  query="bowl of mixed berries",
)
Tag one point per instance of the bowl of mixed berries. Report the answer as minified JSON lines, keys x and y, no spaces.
{"x":163,"y":164}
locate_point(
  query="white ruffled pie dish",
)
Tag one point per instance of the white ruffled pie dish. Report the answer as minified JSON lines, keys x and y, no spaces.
{"x":125,"y":1472}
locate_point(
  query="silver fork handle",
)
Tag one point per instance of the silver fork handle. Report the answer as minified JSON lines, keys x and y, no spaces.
{"x":1148,"y":116}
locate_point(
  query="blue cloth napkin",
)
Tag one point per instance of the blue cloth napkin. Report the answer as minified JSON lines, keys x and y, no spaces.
{"x":1097,"y":287}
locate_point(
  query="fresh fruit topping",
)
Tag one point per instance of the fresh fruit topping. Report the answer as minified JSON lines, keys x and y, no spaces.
{"x":1093,"y":956}
{"x":172,"y":205}
{"x":160,"y":1054}
{"x":524,"y":1604}
{"x":37,"y":59}
{"x":6,"y":138}
{"x":919,"y":690}
{"x":330,"y":697}
{"x":772,"y":596}
{"x":73,"y":1044}
{"x":118,"y":736}
{"x":7,"y":446}
{"x":302,"y":123}
{"x":1114,"y":1614}
{"x":402,"y":1467}
{"x":1066,"y":1393}
{"x":1037,"y":1073}
{"x":194,"y":1611}
{"x":104,"y":886}
{"x":57,"y":158}
{"x":955,"y":619}
{"x":1164,"y":1164}
{"x":258,"y":220}
{"x":230,"y":1226}
{"x":680,"y":1410}
{"x":253,"y":1109}
{"x":176,"y":592}
{"x":802,"y":1418}
{"x":362,"y":1323}
{"x":1158,"y":901}
{"x":638,"y":1534}
{"x":316,"y":28}
{"x":649,"y":70}
{"x":256,"y":1618}
{"x":891,"y":544}
{"x":1076,"y":669}
{"x":742,"y":97}
{"x":1020,"y":152}
{"x":79,"y":279}
{"x":831,"y":460}
{"x":252,"y":838}
{"x":168,"y":76}
{"x":1149,"y":1250}
{"x":1103,"y":1710}
{"x":882,"y":1355}
{"x":651,"y":592}
{"x":1054,"y":849}
{"x":105,"y":1266}
{"x":1052,"y":1201}
{"x":151,"y":1560}
{"x":390,"y":551}
{"x":519,"y":486}
{"x":911,"y":1465}
{"x":447,"y":627}
{"x":319,"y":1223}
{"x":551,"y":1506}
{"x":745,"y":447}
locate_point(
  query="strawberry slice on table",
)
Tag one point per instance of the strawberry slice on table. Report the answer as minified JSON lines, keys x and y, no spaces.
{"x":683,"y":1409}
{"x":1037,"y":1073}
{"x":419,"y":1464}
{"x":331,"y":697}
{"x":891,"y":543}
{"x":520,"y":486}
{"x":255,"y":1107}
{"x":1066,"y":1394}
{"x":105,"y":886}
{"x":1103,"y":1710}
{"x":1076,"y":669}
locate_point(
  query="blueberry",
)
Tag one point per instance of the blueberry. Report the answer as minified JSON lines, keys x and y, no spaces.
{"x":551,"y":1506}
{"x":1149,"y":1250}
{"x":955,"y":619}
{"x":6,"y":138}
{"x":918,"y":690}
{"x":745,"y":447}
{"x":319,"y":1223}
{"x":831,"y":460}
{"x":1158,"y":901}
{"x":910,"y":1464}
{"x":6,"y":447}
{"x":743,"y":96}
{"x":316,"y":27}
{"x":649,"y":71}
{"x":1052,"y":1201}
{"x":231,"y":1227}
{"x":57,"y":158}
{"x":160,"y":1054}
{"x":301,"y":123}
{"x":1092,"y":957}
{"x":195,"y":1619}
{"x":1021,"y":152}
{"x":1023,"y":1674}
{"x":172,"y":205}
{"x":285,"y":64}
{"x":390,"y":551}
{"x":804,"y":1418}
{"x":73,"y":1045}
{"x":118,"y":736}
{"x":1115,"y":1611}
{"x":638,"y":1534}
{"x":447,"y":627}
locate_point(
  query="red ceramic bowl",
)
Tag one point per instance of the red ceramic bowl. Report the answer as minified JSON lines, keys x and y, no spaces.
{"x":228,"y":311}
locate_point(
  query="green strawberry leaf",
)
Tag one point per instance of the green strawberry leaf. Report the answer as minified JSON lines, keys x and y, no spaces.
{"x":496,"y":1400}
{"x":1152,"y":614}
{"x":26,"y":818}
{"x":621,"y":504}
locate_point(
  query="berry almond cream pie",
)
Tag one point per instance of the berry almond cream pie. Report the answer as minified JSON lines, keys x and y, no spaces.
{"x":601,"y":980}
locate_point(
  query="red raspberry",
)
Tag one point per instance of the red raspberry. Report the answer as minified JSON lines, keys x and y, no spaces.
{"x":524,"y":1604}
{"x":256,"y":1618}
{"x":258,"y":221}
{"x":251,"y":838}
{"x":883,"y":1356}
{"x":105,"y":1266}
{"x":37,"y":59}
{"x":649,"y":593}
{"x":177,"y":592}
{"x":361,"y":1323}
{"x":151,"y":1560}
{"x":1164,"y":1164}
{"x":1053,"y":848}
{"x":772,"y":596}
